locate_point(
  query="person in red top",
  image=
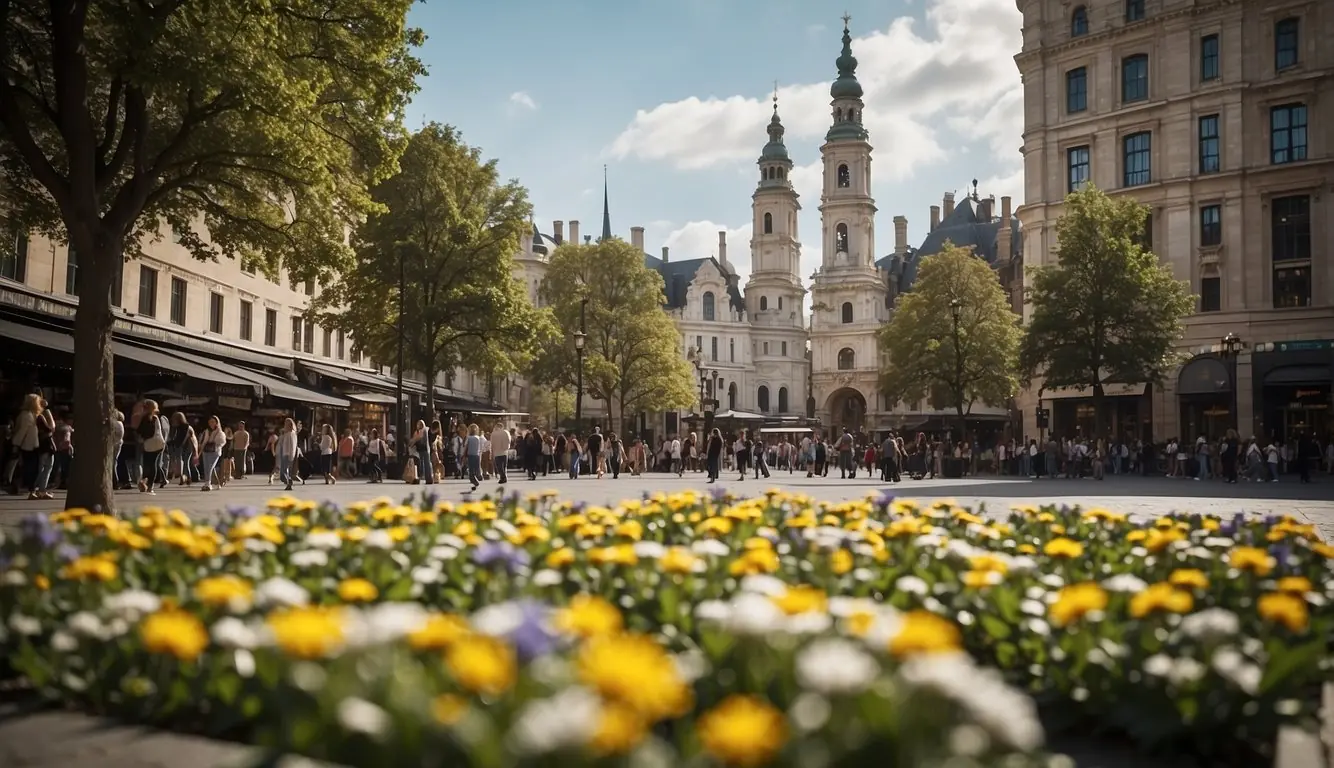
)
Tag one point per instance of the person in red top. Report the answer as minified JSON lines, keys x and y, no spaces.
{"x":347,"y":467}
{"x":869,"y":459}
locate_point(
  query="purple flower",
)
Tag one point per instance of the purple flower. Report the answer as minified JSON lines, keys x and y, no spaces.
{"x":533,"y":636}
{"x":429,"y":499}
{"x":68,"y":552}
{"x":500,"y":553}
{"x":1281,"y":553}
{"x":242,"y":511}
{"x":578,"y":508}
{"x":39,"y":529}
{"x":719,"y":495}
{"x":885,"y":499}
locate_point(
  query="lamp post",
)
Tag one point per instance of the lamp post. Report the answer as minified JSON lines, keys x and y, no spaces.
{"x":402,"y":416}
{"x":579,"y":338}
{"x":956,"y":311}
{"x":1230,"y":348}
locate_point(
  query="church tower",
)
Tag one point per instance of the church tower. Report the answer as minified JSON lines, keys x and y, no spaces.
{"x":848,"y":294}
{"x":774,"y":293}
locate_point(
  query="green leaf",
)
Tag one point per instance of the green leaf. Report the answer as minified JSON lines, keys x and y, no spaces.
{"x":1284,"y":660}
{"x":996,"y":627}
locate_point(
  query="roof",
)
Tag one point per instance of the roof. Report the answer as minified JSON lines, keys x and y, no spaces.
{"x":677,"y":276}
{"x":544,"y":244}
{"x":965,"y":227}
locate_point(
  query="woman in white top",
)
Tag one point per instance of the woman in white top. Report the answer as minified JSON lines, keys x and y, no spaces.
{"x":284,"y":450}
{"x":32,"y":436}
{"x":375,"y":451}
{"x":328,"y":444}
{"x":210,"y":450}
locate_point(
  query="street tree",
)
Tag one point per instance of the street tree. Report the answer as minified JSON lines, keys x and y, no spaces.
{"x":251,"y":130}
{"x":442,"y":242}
{"x":953,"y":339}
{"x":1108,"y":310}
{"x":633,"y":360}
{"x":549,"y":406}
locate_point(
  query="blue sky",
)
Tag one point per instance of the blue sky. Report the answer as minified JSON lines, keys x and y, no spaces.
{"x":673,"y":97}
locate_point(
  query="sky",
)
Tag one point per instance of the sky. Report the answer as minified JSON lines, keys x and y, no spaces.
{"x":673,"y":98}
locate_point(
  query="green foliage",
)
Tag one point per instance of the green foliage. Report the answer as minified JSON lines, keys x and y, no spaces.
{"x":451,"y":225}
{"x":921,"y":359}
{"x":549,"y":406}
{"x":1108,"y":310}
{"x":632,"y":357}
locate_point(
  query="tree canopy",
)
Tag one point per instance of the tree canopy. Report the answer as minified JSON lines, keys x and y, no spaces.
{"x":924,"y":357}
{"x":633,"y":359}
{"x":252,"y":130}
{"x":1108,"y":310}
{"x":451,"y":225}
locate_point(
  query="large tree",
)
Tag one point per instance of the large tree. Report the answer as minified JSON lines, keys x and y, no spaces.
{"x":447,"y":230}
{"x":252,"y":130}
{"x":927,"y":354}
{"x":633,"y":359}
{"x":549,"y":406}
{"x":1108,"y":310}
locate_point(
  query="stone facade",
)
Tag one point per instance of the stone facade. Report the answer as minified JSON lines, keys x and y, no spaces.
{"x":1216,"y":114}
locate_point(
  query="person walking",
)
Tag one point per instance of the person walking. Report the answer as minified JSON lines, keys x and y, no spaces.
{"x":500,"y":451}
{"x":472,"y":450}
{"x":285,"y":451}
{"x":714,"y":454}
{"x":211,"y":445}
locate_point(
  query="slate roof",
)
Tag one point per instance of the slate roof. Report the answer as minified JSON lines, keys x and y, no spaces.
{"x":963,"y":227}
{"x":677,"y":275}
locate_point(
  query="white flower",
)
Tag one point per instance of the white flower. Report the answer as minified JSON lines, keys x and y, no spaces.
{"x":764,"y":584}
{"x":649,"y":550}
{"x":1158,"y":665}
{"x":547,"y":578}
{"x":451,"y":541}
{"x":132,"y":603}
{"x":323,"y":540}
{"x":25,"y":625}
{"x":260,"y":547}
{"x":387,"y":622}
{"x":754,"y":614}
{"x":15,"y":578}
{"x":691,"y":665}
{"x":1125,"y":582}
{"x":834,"y":666}
{"x":1008,"y":714}
{"x":231,"y":632}
{"x":310,"y":558}
{"x":361,"y":716}
{"x":426,"y":574}
{"x":1210,"y":624}
{"x":378,"y":539}
{"x":443,"y":553}
{"x":568,"y":719}
{"x":913,"y":585}
{"x":809,"y":712}
{"x":809,"y":623}
{"x":64,"y":642}
{"x":1052,"y":580}
{"x":1186,"y":670}
{"x":1033,"y":607}
{"x":1218,"y":542}
{"x":1234,"y":667}
{"x":969,"y":740}
{"x":710,"y":548}
{"x":86,"y":624}
{"x":278,"y":591}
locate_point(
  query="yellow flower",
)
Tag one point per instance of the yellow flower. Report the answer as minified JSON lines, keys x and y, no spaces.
{"x":715,"y":526}
{"x":631,"y":529}
{"x":296,"y":521}
{"x":620,"y":729}
{"x":438,"y":633}
{"x":95,"y":568}
{"x":1189,"y":577}
{"x":448,"y":709}
{"x":753,"y":562}
{"x":357,"y":591}
{"x":175,"y":633}
{"x":841,"y":561}
{"x":1161,"y":597}
{"x":41,"y":582}
{"x":589,"y":616}
{"x":559,"y":558}
{"x":742,"y":731}
{"x":980,"y":579}
{"x":1076,"y":601}
{"x":483,"y":665}
{"x":802,"y":599}
{"x":1252,"y":559}
{"x":223,"y":590}
{"x":307,"y":633}
{"x":986,"y":563}
{"x":1026,"y":549}
{"x":1323,"y":549}
{"x":1159,"y":539}
{"x":1281,"y":608}
{"x":1295,"y":585}
{"x":633,"y":670}
{"x":924,"y":632}
{"x":678,"y":560}
{"x":618,"y":554}
{"x":1063,"y":548}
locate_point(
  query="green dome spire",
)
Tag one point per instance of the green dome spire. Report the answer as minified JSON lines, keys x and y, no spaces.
{"x":775,"y":149}
{"x":846,"y":86}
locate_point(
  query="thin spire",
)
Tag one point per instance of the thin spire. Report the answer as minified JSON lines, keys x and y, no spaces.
{"x":775,"y":97}
{"x":606,"y":207}
{"x":847,"y":17}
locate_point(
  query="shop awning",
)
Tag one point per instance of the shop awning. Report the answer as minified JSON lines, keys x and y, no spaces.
{"x":741,"y":416}
{"x":1109,"y":389}
{"x":285,"y":390}
{"x":47,"y":338}
{"x":371,"y":397}
{"x":216,"y":372}
{"x":361,"y":378}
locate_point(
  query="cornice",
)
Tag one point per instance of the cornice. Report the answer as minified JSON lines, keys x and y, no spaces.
{"x":1116,"y":33}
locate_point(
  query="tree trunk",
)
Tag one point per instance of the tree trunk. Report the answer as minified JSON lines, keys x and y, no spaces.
{"x":90,"y":482}
{"x":1097,"y":411}
{"x":963,"y":419}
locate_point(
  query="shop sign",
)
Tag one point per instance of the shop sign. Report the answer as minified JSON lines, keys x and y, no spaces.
{"x":1304,"y":346}
{"x":235,"y":403}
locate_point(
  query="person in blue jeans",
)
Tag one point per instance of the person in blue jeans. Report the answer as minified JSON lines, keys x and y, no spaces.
{"x":472,"y":450}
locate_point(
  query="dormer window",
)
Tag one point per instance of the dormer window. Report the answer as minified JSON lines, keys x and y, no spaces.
{"x":1079,"y":22}
{"x":844,"y":177}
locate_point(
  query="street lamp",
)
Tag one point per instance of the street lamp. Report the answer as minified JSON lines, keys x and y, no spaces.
{"x":1230,"y":348}
{"x":580,"y":337}
{"x":956,"y":311}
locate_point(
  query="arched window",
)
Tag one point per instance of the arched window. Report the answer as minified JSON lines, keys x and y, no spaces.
{"x":838,"y":115}
{"x":780,"y":302}
{"x":782,"y":399}
{"x":764,"y":303}
{"x":768,"y":223}
{"x":844,"y":176}
{"x":847,"y":312}
{"x":731,"y":396}
{"x":841,"y":238}
{"x":762,"y":399}
{"x":709,"y":310}
{"x":1079,"y":22}
{"x":847,"y":359}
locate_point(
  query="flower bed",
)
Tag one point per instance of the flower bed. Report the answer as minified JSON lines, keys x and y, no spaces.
{"x":773,"y":630}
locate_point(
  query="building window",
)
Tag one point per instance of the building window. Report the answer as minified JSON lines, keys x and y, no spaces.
{"x":847,"y":312}
{"x":247,"y":266}
{"x":1076,"y":90}
{"x":271,"y":327}
{"x":1211,"y":294}
{"x":1291,"y":228}
{"x":785,"y":349}
{"x":118,"y":283}
{"x":1209,"y":58}
{"x":768,"y":223}
{"x":178,"y":298}
{"x":310,"y":287}
{"x":1138,"y":165}
{"x":841,"y":238}
{"x":1134,"y":10}
{"x":1286,"y":34}
{"x":71,"y":271}
{"x":327,"y":346}
{"x":14,"y":258}
{"x":215,"y":312}
{"x":340,"y":345}
{"x":713,"y":349}
{"x":764,"y":303}
{"x":847,"y":359}
{"x":844,"y":177}
{"x":1211,"y":225}
{"x":782,"y":399}
{"x":147,"y":291}
{"x":699,"y":344}
{"x":762,"y":398}
{"x":309,"y":346}
{"x":1287,"y":133}
{"x":1134,"y":78}
{"x":710,"y":310}
{"x":780,"y":303}
{"x":247,"y":318}
{"x":1079,"y":22}
{"x":766,"y":349}
{"x":1077,"y":160}
{"x":1210,"y":162}
{"x":1145,"y":239}
{"x":296,"y":334}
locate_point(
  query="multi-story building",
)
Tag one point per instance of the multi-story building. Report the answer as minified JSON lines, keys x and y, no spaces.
{"x":1217,"y":115}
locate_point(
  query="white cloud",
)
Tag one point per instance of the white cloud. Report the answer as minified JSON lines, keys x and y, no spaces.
{"x":954,"y":72}
{"x":521,"y":100}
{"x":699,"y":240}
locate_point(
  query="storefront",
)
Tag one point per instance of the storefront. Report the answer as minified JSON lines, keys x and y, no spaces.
{"x":1292,"y":388}
{"x":1127,"y":412}
{"x":1205,"y":398}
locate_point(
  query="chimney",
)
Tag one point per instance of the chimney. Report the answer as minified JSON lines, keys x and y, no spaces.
{"x":900,"y":235}
{"x":722,"y":246}
{"x":665,"y":258}
{"x":637,"y":238}
{"x":574,"y":231}
{"x":949,"y":204}
{"x":935,"y":217}
{"x":1006,"y":212}
{"x":558,"y":231}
